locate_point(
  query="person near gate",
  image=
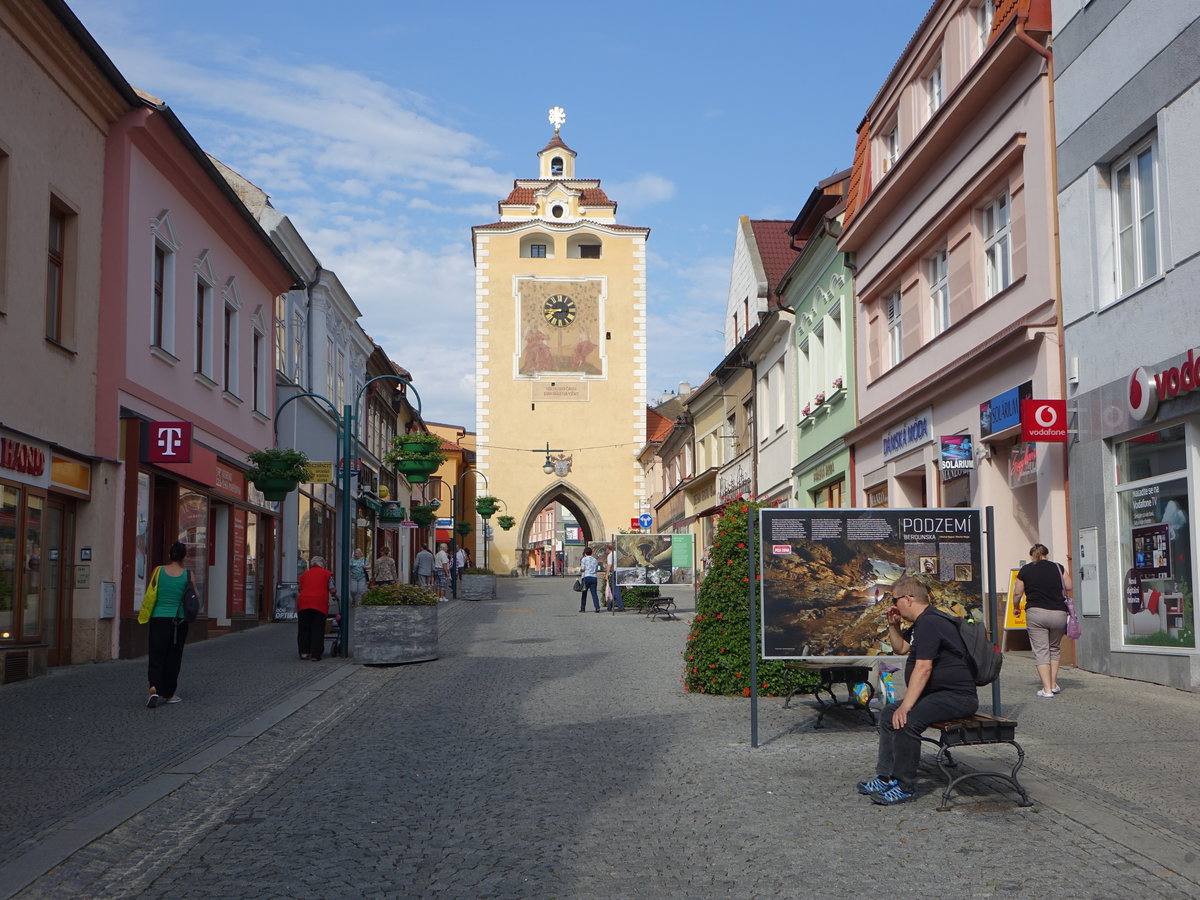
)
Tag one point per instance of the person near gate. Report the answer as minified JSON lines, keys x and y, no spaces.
{"x":612,"y":590}
{"x":423,"y":567}
{"x":441,"y":568}
{"x":1042,"y":584}
{"x":939,"y":683}
{"x":460,"y":561}
{"x":360,"y":575}
{"x":588,"y":567}
{"x":385,"y":567}
{"x":168,"y":630}
{"x":312,"y":606}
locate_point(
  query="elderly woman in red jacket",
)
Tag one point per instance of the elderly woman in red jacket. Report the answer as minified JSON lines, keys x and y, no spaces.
{"x":312,"y":605}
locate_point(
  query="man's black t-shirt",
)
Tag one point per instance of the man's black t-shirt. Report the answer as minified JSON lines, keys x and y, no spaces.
{"x":936,"y":637}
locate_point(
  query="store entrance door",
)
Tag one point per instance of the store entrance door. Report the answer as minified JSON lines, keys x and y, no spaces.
{"x":58,"y":552}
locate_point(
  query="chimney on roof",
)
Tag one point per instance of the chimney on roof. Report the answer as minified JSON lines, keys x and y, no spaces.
{"x":684,"y":389}
{"x":667,"y":397}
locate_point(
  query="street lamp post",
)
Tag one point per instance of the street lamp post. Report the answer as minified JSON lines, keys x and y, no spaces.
{"x":346,"y":427}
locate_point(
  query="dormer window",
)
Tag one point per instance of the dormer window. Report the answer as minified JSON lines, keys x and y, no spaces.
{"x":556,"y":166}
{"x":557,"y":211}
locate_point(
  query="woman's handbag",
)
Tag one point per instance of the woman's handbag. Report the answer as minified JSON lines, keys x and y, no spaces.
{"x":190,"y":604}
{"x":149,"y":598}
{"x":1073,"y":629}
{"x":578,"y":588}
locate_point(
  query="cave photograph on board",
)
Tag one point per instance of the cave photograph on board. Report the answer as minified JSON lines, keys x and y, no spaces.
{"x":827,"y":574}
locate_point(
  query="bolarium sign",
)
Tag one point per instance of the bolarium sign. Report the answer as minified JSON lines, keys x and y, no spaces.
{"x":1147,"y":388}
{"x":910,"y":434}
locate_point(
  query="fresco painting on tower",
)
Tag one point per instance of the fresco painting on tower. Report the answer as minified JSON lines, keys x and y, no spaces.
{"x":560,"y":328}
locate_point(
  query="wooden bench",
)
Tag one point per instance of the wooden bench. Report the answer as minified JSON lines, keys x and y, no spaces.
{"x":971,"y":731}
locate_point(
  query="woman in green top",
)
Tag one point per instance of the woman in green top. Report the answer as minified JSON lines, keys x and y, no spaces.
{"x":168,"y":630}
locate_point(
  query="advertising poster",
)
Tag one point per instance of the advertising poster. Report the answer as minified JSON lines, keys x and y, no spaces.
{"x":957,"y":457}
{"x":1152,"y":551}
{"x":827,"y":574}
{"x":1014,"y":615}
{"x":285,"y":601}
{"x":652,"y":559}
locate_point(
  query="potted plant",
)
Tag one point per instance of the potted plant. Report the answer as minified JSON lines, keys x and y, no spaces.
{"x":277,"y":471}
{"x":487,"y":505}
{"x":423,"y":515}
{"x":396,"y":623}
{"x":819,"y":399}
{"x":477,"y":584}
{"x":837,"y":383}
{"x":464,"y":528}
{"x":506,"y":522}
{"x":416,"y":455}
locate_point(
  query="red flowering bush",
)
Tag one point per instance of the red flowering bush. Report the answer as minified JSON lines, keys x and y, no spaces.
{"x":719,"y":640}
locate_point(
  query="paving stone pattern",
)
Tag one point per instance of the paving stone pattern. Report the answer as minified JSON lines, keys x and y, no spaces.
{"x":554,"y":754}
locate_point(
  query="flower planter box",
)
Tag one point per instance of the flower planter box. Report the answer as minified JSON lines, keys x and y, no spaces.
{"x":388,"y":635}
{"x":477,"y":587}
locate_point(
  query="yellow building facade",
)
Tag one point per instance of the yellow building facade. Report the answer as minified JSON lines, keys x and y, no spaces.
{"x":560,"y":303}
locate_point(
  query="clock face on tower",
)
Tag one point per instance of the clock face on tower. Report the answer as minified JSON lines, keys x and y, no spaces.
{"x":559,"y":310}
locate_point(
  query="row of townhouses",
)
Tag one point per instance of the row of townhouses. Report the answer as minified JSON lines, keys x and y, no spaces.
{"x":1020,"y":222}
{"x":156,"y":312}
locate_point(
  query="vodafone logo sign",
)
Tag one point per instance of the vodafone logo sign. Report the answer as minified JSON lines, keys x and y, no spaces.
{"x":1044,"y":420}
{"x":1143,"y":396}
{"x":1147,"y":388}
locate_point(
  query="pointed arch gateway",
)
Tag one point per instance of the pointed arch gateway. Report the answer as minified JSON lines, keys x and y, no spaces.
{"x":572,"y":498}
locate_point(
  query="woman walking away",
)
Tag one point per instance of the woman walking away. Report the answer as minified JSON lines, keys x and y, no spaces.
{"x":168,"y":630}
{"x":312,"y":606}
{"x":588,"y":566}
{"x":1044,"y":588}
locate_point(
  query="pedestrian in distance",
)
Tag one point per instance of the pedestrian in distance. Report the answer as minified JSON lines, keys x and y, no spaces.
{"x":385,"y":567}
{"x":316,"y":590}
{"x":423,"y":567}
{"x":441,"y":568}
{"x":588,"y":567}
{"x":1044,"y":589}
{"x":940,"y":686}
{"x":612,"y":590}
{"x":460,"y":561}
{"x":360,"y":575}
{"x":162,"y":610}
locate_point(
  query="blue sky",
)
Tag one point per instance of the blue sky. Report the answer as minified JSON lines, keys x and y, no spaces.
{"x":387,"y":133}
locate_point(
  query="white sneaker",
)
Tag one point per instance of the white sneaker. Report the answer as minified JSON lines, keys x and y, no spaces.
{"x":1056,"y":690}
{"x":1042,"y":693}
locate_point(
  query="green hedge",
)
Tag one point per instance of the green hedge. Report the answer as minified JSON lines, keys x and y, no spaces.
{"x":638,"y":596}
{"x":717,"y":655}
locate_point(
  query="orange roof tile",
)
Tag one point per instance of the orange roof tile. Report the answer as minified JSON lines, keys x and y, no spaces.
{"x":497,"y":226}
{"x":557,"y":143}
{"x":595,"y":197}
{"x":860,"y":172}
{"x":658,"y":426}
{"x":523,"y":196}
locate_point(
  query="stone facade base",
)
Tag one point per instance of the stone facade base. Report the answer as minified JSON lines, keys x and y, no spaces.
{"x":477,"y":587}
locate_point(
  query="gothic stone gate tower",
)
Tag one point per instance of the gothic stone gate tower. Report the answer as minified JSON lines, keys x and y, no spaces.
{"x":560,"y":352}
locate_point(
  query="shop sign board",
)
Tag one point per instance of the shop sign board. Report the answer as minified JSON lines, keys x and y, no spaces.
{"x":319,"y":472}
{"x":1004,"y":410}
{"x":958,"y":456}
{"x":908,"y":435}
{"x":1148,"y":388}
{"x":170,"y":442}
{"x":827,"y":575}
{"x":1022,"y":465}
{"x":1044,"y":421}
{"x":23,"y":461}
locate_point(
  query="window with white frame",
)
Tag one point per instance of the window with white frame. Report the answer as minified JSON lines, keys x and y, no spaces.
{"x":895,"y":327}
{"x":162,"y":285}
{"x":997,"y":245}
{"x":281,"y":341}
{"x":835,"y":348}
{"x":229,"y":351}
{"x":259,"y":374}
{"x":204,"y":313}
{"x":803,"y":375}
{"x":937,"y":268}
{"x":779,"y":416}
{"x":764,"y":393}
{"x":1135,"y":217}
{"x":340,"y":375}
{"x":330,"y":378}
{"x":983,"y":14}
{"x":889,"y":146}
{"x":298,"y":336}
{"x":932,"y":84}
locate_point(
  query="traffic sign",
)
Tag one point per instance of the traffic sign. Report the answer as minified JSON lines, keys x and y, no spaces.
{"x":645,"y":520}
{"x":635,"y":522}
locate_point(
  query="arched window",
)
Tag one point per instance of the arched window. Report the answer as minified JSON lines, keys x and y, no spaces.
{"x":556,"y":166}
{"x":537,"y":246}
{"x":584,"y":246}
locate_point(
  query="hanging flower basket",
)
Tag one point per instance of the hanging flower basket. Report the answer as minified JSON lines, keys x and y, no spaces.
{"x":464,"y":528}
{"x":423,"y":515}
{"x":277,"y":471}
{"x":506,"y":522}
{"x":417,"y":468}
{"x":486,"y":506}
{"x":275,"y":488}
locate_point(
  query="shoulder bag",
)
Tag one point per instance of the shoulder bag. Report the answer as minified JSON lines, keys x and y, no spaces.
{"x":189,"y":606}
{"x":1073,"y":630}
{"x":149,"y":598}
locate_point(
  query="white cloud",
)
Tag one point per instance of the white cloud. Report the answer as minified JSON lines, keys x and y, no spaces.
{"x":644,"y":190}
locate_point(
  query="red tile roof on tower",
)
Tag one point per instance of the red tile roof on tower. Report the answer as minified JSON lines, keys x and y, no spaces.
{"x":557,"y":143}
{"x":658,"y":426}
{"x":774,"y":249}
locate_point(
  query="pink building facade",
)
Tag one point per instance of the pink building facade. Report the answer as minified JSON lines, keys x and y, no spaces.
{"x":185,"y":385}
{"x":950,"y":231}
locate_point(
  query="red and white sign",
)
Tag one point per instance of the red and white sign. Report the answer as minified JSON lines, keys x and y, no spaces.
{"x":634,"y":523}
{"x":1044,"y":420}
{"x":1147,"y":388}
{"x":781,"y":549}
{"x":170,"y":442}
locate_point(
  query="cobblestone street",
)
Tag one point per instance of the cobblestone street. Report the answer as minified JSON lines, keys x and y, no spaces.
{"x":553,"y":754}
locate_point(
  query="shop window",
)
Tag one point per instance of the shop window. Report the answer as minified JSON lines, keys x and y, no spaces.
{"x":877,"y":496}
{"x":1157,"y":599}
{"x":9,"y":554}
{"x":31,"y":612}
{"x":830,"y":496}
{"x":193,"y":534}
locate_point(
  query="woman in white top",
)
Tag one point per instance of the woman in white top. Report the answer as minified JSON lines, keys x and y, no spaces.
{"x":588,"y":567}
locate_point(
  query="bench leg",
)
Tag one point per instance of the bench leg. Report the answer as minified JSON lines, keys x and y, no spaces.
{"x":1011,"y":777}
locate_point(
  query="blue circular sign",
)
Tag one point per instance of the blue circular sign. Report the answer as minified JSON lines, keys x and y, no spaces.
{"x":645,"y":520}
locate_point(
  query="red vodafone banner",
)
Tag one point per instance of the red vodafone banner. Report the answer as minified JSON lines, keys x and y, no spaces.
{"x":1044,"y":420}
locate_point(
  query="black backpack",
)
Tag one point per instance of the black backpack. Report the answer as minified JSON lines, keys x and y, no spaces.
{"x":983,"y":657}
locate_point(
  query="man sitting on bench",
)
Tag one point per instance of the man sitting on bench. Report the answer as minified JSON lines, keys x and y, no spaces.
{"x":939,"y":686}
